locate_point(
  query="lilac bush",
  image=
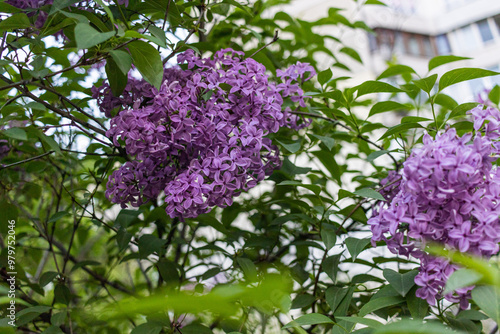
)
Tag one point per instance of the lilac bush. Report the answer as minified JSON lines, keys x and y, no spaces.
{"x":201,"y":139}
{"x":449,"y":194}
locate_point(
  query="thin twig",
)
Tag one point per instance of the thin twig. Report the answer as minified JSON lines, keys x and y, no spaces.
{"x":183,"y":42}
{"x":275,"y":39}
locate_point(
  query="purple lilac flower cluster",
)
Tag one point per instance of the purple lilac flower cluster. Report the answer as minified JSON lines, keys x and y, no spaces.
{"x":201,"y":139}
{"x":449,"y":193}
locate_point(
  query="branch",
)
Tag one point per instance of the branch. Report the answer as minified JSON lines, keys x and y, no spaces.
{"x":63,"y":114}
{"x":25,"y":161}
{"x":336,"y":122}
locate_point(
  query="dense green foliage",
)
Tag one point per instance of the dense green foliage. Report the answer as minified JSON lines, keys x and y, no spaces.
{"x":296,"y":247}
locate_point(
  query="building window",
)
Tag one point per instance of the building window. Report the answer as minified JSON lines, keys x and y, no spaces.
{"x":484,"y":29}
{"x":497,"y":21}
{"x":413,"y":47}
{"x":428,"y":50}
{"x":443,"y":45}
{"x":466,"y":39}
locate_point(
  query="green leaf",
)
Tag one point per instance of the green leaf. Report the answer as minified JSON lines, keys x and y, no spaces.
{"x":426,"y":84}
{"x":331,"y":266}
{"x":488,"y":299}
{"x":384,"y":106}
{"x":159,"y":34}
{"x":148,"y":328}
{"x":117,"y":79}
{"x":375,"y":2}
{"x":248,"y":268}
{"x":414,"y":119}
{"x":328,"y":235}
{"x":378,"y":303}
{"x":123,"y":239}
{"x":122,"y":60}
{"x":57,"y":319}
{"x":292,"y":147}
{"x":364,"y":321}
{"x":399,"y":129}
{"x":351,"y":53}
{"x":407,"y":326}
{"x":126,"y":217}
{"x":87,"y":37}
{"x":16,"y":21}
{"x":395,"y":70}
{"x":494,"y":95}
{"x":461,"y":110}
{"x":16,"y":133}
{"x":441,"y":60}
{"x":369,"y":193}
{"x":313,"y":187}
{"x":148,"y":61}
{"x":356,"y":246}
{"x":148,"y":244}
{"x":168,"y":271}
{"x":330,"y":164}
{"x":463,"y":74}
{"x":334,"y":296}
{"x":29,"y":314}
{"x":309,"y":319}
{"x":329,"y":142}
{"x":418,"y":307}
{"x":50,"y":141}
{"x":369,"y":87}
{"x":374,"y":155}
{"x":58,"y":215}
{"x":461,"y":279}
{"x":324,"y":76}
{"x":62,"y":294}
{"x":47,"y":277}
{"x":6,"y":8}
{"x":402,"y":283}
{"x":60,"y":4}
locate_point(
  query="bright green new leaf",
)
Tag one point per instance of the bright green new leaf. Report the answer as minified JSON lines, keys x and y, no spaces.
{"x":369,"y":87}
{"x":309,"y":319}
{"x":441,"y":60}
{"x":369,"y":193}
{"x":384,"y":106}
{"x":395,"y":70}
{"x":463,"y":74}
{"x":400,"y":128}
{"x":87,"y":37}
{"x":426,"y":84}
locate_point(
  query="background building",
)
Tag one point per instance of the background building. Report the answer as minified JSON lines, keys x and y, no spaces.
{"x":411,"y":32}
